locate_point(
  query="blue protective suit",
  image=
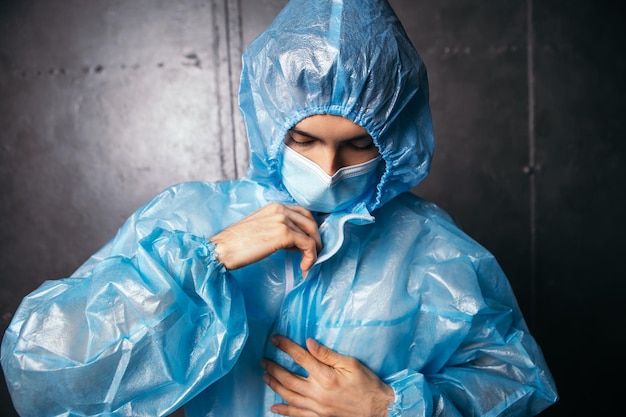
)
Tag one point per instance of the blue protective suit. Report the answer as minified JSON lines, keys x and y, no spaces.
{"x":154,"y":321}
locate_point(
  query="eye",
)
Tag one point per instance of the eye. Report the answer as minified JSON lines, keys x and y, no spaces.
{"x":362,"y":144}
{"x":298,"y":140}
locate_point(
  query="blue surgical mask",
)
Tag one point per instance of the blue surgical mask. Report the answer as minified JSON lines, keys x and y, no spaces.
{"x":315,"y":190}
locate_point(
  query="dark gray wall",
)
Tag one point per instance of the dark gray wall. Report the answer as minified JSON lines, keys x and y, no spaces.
{"x":103,"y":104}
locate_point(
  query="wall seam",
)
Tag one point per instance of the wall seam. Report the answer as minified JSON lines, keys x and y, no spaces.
{"x":237,"y":44}
{"x":531,"y":168}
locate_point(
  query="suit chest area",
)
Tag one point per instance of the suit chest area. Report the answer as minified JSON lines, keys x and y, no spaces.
{"x":364,"y":310}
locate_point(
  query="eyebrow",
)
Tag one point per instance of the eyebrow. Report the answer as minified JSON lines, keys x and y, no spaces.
{"x":303,"y":133}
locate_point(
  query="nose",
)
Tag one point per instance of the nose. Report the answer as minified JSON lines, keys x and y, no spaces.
{"x":330,"y":161}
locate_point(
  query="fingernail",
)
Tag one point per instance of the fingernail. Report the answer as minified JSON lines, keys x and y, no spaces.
{"x":274,"y":340}
{"x":266,"y":378}
{"x":263,"y":364}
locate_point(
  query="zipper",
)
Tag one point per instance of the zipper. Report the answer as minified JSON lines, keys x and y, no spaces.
{"x":290,"y":270}
{"x":290,"y":278}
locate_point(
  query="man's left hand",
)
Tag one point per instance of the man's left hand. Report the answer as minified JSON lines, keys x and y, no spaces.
{"x":337,"y":385}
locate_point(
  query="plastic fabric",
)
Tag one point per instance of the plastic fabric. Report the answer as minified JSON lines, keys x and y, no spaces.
{"x":153,"y":321}
{"x":110,"y":343}
{"x":348,"y":58}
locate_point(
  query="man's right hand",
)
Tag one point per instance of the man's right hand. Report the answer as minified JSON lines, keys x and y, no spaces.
{"x":271,"y":228}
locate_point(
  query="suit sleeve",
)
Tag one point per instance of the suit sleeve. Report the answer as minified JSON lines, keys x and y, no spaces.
{"x":136,"y":335}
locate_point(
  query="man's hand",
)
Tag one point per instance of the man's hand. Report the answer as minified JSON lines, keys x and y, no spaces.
{"x":267,"y":230}
{"x":337,"y":385}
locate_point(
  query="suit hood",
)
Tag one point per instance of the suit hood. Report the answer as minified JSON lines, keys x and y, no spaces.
{"x":348,"y":58}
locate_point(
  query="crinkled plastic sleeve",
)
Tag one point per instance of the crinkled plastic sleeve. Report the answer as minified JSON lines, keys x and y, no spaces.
{"x":139,"y":336}
{"x":412,"y":394}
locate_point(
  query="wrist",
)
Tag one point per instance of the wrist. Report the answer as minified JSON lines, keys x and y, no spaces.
{"x":383,"y":402}
{"x":412,"y":395}
{"x":220,"y":251}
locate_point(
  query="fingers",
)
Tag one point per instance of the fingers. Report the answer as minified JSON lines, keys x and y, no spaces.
{"x":304,"y":220}
{"x":303,"y":234}
{"x":301,"y":218}
{"x":323,"y":354}
{"x":300,"y":355}
{"x":278,"y":378}
{"x":309,"y":250}
{"x":287,"y":386}
{"x":336,"y":384}
{"x":269,"y":229}
{"x":288,"y":410}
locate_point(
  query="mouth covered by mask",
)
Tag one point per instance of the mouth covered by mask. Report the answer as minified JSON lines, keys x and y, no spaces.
{"x":315,"y":190}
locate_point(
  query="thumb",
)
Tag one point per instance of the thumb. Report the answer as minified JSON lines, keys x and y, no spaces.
{"x":323,"y":354}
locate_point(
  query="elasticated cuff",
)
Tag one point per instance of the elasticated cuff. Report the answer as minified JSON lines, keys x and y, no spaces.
{"x":412,"y":395}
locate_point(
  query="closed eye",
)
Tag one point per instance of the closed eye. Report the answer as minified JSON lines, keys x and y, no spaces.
{"x":361,"y":144}
{"x":298,"y":140}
